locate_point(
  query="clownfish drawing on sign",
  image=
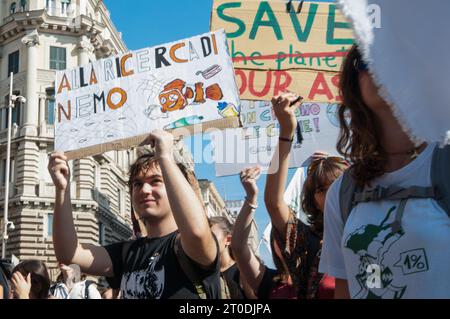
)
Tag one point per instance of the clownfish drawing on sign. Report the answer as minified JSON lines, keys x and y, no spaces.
{"x":177,"y":95}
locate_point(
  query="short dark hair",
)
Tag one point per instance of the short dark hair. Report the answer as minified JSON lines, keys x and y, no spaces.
{"x":225,"y":226}
{"x":40,"y":280}
{"x":223,"y":223}
{"x":147,"y":161}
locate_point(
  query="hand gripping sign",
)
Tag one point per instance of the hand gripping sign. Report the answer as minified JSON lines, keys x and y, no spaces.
{"x":112,"y":104}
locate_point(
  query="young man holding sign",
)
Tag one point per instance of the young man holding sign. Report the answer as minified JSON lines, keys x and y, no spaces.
{"x":179,"y":256}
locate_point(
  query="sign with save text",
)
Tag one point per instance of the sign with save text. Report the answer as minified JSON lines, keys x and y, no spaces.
{"x":114,"y":103}
{"x":276,"y":50}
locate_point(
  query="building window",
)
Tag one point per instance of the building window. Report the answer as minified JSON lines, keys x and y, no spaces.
{"x":50,"y":6}
{"x":101,"y":233}
{"x":49,"y":226}
{"x":98,"y":178}
{"x":3,"y":172}
{"x":23,"y":5}
{"x":121,"y":202}
{"x":64,"y":7}
{"x":120,"y":158}
{"x":50,"y":106}
{"x":57,"y":58}
{"x":50,"y":114}
{"x":13,"y":63}
{"x":12,"y":8}
{"x":16,"y":114}
{"x":15,"y":118}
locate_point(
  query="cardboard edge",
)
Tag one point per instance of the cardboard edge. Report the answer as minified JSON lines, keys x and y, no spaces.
{"x":135,"y":141}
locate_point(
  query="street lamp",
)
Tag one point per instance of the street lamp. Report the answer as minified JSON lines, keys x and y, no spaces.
{"x":6,"y":223}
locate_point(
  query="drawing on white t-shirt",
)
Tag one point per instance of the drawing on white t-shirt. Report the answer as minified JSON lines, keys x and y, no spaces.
{"x":371,"y":243}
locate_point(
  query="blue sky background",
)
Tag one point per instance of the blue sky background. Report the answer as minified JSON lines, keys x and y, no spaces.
{"x":145,"y":23}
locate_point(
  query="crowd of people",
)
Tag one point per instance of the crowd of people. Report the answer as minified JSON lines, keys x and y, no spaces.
{"x":372,"y":207}
{"x":30,"y":279}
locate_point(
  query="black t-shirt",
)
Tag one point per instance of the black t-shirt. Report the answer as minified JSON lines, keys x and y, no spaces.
{"x":232,"y":279}
{"x":151,"y":270}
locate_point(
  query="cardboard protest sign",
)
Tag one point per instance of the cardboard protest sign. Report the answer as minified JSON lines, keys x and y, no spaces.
{"x":406,"y":44}
{"x":274,"y":50}
{"x":115,"y":102}
{"x":255,"y":143}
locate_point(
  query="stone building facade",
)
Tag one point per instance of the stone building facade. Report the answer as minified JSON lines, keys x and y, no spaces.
{"x":38,"y":37}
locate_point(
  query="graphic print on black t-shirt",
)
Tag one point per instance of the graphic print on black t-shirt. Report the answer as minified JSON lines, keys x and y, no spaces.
{"x":150,"y":270}
{"x":144,"y":284}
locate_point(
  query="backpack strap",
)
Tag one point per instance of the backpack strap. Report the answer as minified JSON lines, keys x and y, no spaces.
{"x":394,"y":193}
{"x":346,"y":194}
{"x":188,"y":269}
{"x":350,"y":194}
{"x":87,"y":283}
{"x":440,"y":176}
{"x":51,"y":290}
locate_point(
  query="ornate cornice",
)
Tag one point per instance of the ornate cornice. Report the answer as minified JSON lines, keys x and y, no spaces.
{"x":19,"y":23}
{"x":31,"y":39}
{"x":85,"y":45}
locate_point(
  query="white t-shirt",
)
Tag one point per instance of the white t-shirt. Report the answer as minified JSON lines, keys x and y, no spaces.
{"x":78,"y":291}
{"x":378,"y":263}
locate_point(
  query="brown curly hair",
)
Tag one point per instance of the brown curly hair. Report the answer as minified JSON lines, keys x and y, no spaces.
{"x":321,"y":174}
{"x":359,"y":139}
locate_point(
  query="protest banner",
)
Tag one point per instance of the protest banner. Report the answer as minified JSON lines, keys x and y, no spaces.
{"x":406,"y":48}
{"x":274,"y":50}
{"x":255,"y":143}
{"x":113,"y":104}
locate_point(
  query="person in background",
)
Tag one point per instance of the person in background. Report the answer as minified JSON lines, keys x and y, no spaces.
{"x":300,"y":244}
{"x":84,"y":289}
{"x":30,"y":280}
{"x":264,"y":282}
{"x":232,"y":285}
{"x":64,"y":282}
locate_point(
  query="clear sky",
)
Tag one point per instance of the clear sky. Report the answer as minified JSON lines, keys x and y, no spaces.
{"x":145,"y":23}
